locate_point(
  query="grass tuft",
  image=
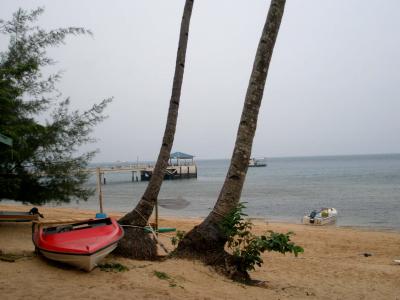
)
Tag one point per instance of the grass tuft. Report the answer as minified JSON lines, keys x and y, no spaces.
{"x":113,"y":267}
{"x":162,"y":275}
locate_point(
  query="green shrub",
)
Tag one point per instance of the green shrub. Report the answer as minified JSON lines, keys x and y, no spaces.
{"x":178,"y":237}
{"x":247,"y":247}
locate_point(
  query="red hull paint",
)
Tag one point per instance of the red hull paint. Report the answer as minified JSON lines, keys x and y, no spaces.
{"x":82,"y":239}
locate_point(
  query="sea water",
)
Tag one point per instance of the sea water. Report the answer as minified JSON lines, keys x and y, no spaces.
{"x":365,"y":189}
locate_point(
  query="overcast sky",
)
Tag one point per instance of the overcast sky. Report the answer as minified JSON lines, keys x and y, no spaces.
{"x":332,"y":88}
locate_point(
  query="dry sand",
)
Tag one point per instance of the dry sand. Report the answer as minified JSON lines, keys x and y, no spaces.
{"x":332,"y":267}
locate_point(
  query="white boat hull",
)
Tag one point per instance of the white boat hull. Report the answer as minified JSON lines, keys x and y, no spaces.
{"x":319,"y":221}
{"x":256,"y":163}
{"x":85,"y":262}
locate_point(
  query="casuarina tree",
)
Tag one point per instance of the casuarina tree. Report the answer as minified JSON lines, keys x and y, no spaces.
{"x":136,"y":243}
{"x":207,"y":240}
{"x":40,"y":163}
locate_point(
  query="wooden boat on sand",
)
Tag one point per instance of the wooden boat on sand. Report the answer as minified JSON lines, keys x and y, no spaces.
{"x":81,"y":244}
{"x":20,"y":216}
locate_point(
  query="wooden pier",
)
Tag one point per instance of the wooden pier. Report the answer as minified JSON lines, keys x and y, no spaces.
{"x":134,"y":169}
{"x":181,"y":166}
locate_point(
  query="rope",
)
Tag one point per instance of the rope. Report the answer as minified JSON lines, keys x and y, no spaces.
{"x":160,"y":233}
{"x":153,"y":233}
{"x":148,"y":224}
{"x":132,"y":226}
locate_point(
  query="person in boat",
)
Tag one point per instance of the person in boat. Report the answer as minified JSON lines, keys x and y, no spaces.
{"x":313,"y":214}
{"x":35,"y":211}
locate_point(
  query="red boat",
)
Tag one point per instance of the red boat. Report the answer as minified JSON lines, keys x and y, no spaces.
{"x":81,"y":244}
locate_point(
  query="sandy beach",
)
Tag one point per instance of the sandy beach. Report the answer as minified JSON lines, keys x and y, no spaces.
{"x":333,"y":267}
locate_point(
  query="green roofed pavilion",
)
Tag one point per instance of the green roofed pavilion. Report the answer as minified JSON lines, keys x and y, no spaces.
{"x":180,"y":155}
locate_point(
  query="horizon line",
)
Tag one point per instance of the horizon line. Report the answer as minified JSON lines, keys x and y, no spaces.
{"x":273,"y":157}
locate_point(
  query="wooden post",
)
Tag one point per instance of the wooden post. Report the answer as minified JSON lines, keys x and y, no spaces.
{"x":99,"y":189}
{"x":156,"y":211}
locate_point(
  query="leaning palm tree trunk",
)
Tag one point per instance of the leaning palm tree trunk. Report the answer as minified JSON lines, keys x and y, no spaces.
{"x":207,"y":240}
{"x":136,"y":243}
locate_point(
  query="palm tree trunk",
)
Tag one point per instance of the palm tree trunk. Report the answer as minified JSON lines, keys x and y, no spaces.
{"x":139,"y":216}
{"x":207,"y":237}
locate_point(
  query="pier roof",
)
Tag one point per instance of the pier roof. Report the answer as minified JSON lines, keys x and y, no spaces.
{"x":180,"y":155}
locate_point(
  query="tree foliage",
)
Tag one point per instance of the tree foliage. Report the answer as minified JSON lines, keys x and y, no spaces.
{"x":42,"y":164}
{"x":247,"y":247}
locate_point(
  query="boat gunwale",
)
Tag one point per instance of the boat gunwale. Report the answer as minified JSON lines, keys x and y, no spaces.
{"x":80,"y":254}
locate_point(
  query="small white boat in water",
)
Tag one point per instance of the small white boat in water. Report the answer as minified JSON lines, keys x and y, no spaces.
{"x":324,"y":216}
{"x":253,"y":162}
